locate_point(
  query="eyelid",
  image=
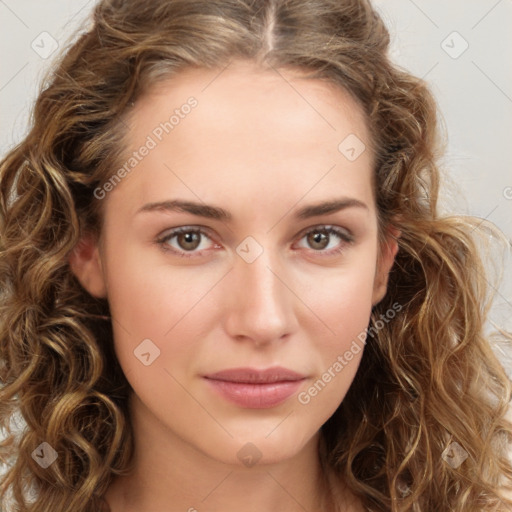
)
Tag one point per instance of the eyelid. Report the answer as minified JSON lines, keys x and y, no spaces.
{"x":346,"y":233}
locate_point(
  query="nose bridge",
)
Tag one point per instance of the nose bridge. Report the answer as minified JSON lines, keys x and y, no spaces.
{"x":261,"y":306}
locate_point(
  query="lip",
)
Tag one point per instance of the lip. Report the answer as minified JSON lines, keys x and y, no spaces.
{"x":255,"y":389}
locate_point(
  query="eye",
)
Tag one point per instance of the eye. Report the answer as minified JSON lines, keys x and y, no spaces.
{"x":190,"y":241}
{"x":327,"y":239}
{"x":185,"y":240}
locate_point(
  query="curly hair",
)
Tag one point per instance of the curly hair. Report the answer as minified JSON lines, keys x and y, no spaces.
{"x":427,"y":380}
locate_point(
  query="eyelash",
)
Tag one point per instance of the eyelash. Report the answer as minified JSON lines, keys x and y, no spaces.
{"x":330,"y":230}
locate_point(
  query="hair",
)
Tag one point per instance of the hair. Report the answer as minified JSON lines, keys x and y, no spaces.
{"x":428,"y":377}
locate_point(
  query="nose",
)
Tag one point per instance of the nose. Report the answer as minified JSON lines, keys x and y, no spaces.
{"x":260,"y":305}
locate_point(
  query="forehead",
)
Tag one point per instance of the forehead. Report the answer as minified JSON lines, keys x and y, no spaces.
{"x":253,"y":129}
{"x":243,"y":93}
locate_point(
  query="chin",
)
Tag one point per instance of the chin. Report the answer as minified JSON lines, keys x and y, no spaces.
{"x":255,"y":450}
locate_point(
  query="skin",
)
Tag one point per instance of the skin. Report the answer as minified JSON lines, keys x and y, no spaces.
{"x":261,"y":145}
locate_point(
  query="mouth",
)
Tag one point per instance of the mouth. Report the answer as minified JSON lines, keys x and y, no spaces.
{"x":255,"y":389}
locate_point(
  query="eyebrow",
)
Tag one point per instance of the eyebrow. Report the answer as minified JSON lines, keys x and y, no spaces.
{"x":218,"y":213}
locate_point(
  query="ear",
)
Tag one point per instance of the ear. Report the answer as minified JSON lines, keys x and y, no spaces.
{"x":388,"y":250}
{"x":85,"y":263}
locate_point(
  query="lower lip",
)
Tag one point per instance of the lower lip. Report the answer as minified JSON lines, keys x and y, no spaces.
{"x":256,"y":396}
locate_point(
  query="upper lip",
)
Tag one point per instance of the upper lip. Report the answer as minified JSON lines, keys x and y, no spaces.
{"x":255,"y":376}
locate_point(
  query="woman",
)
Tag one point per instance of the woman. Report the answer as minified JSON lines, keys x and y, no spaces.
{"x":225,"y":281}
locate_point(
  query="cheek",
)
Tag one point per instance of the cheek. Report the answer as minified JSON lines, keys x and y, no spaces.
{"x":148,"y":296}
{"x":343,"y":303}
{"x":160,"y":316}
{"x":152,"y":301}
{"x":155,"y":341}
{"x":342,"y":297}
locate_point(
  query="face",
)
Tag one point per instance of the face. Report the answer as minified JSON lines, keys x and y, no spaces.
{"x":243,"y":237}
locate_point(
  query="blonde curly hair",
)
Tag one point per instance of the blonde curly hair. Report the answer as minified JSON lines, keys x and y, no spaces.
{"x":427,"y":379}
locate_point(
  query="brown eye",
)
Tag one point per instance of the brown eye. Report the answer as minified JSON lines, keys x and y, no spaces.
{"x":318,"y":239}
{"x":326,"y":240}
{"x":186,"y":242}
{"x":189,"y":241}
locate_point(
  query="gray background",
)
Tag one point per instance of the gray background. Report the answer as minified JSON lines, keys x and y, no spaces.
{"x":473,"y":87}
